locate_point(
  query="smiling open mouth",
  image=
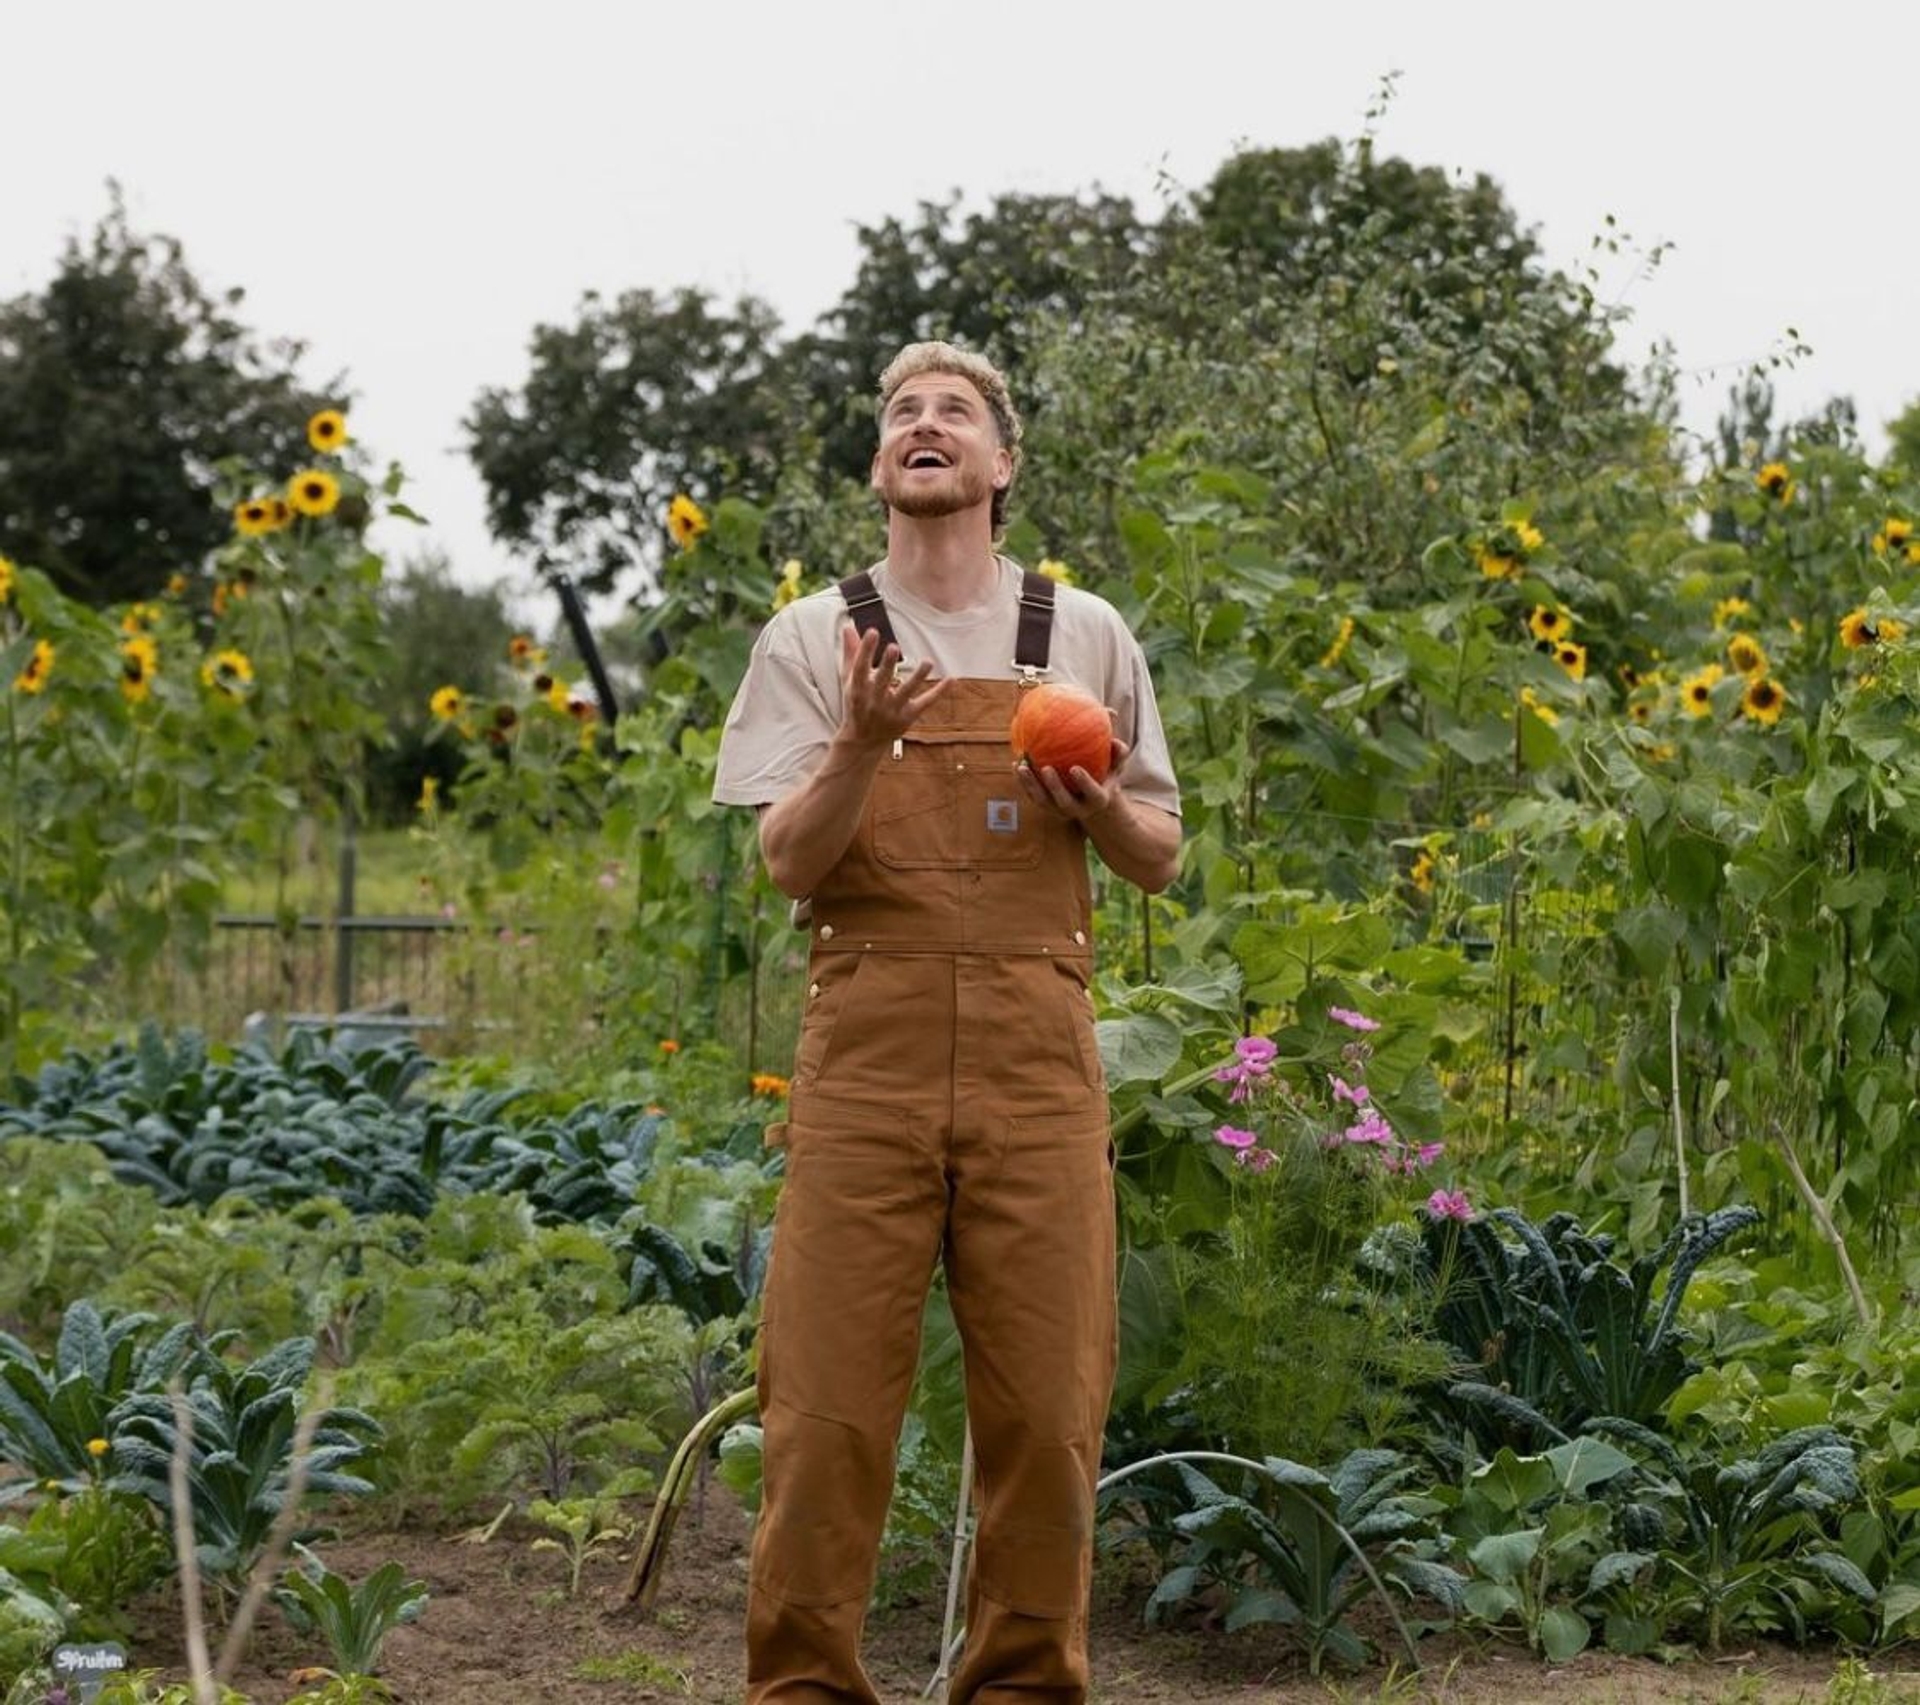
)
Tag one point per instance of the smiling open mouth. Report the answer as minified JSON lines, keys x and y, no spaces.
{"x":917,"y":459}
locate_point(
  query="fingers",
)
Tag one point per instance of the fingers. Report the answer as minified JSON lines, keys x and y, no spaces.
{"x":1076,"y":795}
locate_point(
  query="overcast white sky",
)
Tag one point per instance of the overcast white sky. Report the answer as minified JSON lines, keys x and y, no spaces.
{"x":411,"y":188}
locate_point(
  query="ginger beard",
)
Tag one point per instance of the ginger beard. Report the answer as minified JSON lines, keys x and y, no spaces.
{"x":927,"y":494}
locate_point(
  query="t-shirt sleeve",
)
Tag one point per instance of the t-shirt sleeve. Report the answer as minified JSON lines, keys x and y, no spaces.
{"x":1148,"y":774}
{"x":779,"y":726}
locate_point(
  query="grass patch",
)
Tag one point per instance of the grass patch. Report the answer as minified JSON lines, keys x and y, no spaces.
{"x":636,"y":1669}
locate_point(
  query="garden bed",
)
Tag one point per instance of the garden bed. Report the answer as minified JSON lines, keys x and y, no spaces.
{"x":499,"y":1630}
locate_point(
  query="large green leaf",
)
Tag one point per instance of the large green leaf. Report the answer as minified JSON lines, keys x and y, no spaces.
{"x":1141,"y":1047}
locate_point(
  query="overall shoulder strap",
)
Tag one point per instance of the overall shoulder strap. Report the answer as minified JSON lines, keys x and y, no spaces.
{"x":865,"y":606}
{"x":1033,"y":644}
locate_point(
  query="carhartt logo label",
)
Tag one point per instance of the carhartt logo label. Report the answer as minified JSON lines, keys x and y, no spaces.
{"x":1003,"y":816}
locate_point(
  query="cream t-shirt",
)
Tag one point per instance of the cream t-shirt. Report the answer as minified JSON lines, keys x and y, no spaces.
{"x":788,"y":705}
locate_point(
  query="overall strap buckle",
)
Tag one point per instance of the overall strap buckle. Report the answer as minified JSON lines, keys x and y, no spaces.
{"x":1033,"y":643}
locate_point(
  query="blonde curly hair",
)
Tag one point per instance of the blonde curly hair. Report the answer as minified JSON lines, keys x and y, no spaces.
{"x":979,"y":372}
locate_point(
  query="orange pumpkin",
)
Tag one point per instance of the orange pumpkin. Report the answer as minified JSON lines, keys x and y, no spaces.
{"x":1057,"y":727}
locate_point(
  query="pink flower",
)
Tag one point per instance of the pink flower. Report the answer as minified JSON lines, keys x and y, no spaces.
{"x":1357,"y":1093}
{"x":1351,"y":1019}
{"x":1427,"y":1153}
{"x":1234,"y":1138}
{"x":1256,"y":1160}
{"x":1371,"y":1129}
{"x":1450,"y":1205}
{"x":1253,"y":1060}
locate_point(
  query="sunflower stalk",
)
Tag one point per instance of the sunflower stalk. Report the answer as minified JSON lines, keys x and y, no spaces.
{"x":208,"y":1677}
{"x":649,"y":1566}
{"x":1824,"y":1220}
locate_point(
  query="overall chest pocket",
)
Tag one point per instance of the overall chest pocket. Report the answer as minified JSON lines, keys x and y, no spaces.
{"x":952,"y":802}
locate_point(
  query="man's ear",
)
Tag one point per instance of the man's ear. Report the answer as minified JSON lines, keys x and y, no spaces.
{"x":1002,"y":470}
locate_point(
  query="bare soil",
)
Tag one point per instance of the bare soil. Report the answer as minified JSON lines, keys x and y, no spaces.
{"x":501,"y":1630}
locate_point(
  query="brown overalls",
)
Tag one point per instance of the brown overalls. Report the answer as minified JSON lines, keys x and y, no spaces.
{"x":947,"y":1102}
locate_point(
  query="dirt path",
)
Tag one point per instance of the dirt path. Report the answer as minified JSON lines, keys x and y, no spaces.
{"x":500,"y":1630}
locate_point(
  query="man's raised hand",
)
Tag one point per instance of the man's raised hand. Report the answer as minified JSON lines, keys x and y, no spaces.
{"x":876,"y":705}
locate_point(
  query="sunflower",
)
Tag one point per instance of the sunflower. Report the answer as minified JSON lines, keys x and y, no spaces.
{"x":1763,"y":700}
{"x":1727,"y":609}
{"x":282,"y":512}
{"x":313,"y":492}
{"x":1421,"y":875}
{"x":1530,"y":536}
{"x":1494,"y":566}
{"x":429,"y":794}
{"x":6,"y":579}
{"x":227,"y":672}
{"x":559,"y":695}
{"x":1696,"y":691}
{"x":1549,"y":625}
{"x":1775,"y":481}
{"x":33,"y":678}
{"x":253,"y":517}
{"x":1545,"y":712}
{"x":1341,"y":641}
{"x":447,"y":703}
{"x":686,"y":520}
{"x":139,"y":663}
{"x":520,"y":649}
{"x":1641,"y":710}
{"x":1055,"y":570}
{"x":1629,"y":676}
{"x":327,"y":430}
{"x":1857,"y":628}
{"x":1744,"y":653}
{"x":1572,"y":658}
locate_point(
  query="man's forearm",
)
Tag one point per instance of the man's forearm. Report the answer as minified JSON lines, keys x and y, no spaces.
{"x":804,"y":835}
{"x":1140,"y":843}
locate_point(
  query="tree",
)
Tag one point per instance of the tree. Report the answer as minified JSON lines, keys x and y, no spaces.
{"x":642,"y":398}
{"x":1903,"y":439}
{"x":121,"y":386}
{"x":440,"y":633}
{"x":651,"y":395}
{"x":981,"y":280}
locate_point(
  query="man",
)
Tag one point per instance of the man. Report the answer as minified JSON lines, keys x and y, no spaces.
{"x":947,"y":1099}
